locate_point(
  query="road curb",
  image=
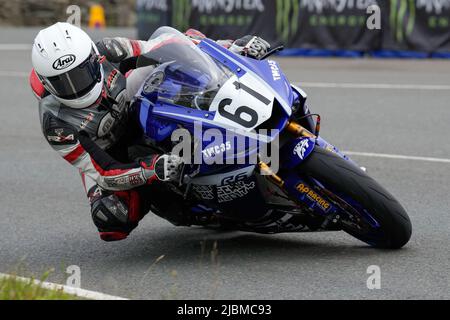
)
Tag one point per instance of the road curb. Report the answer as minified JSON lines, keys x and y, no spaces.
{"x":82,"y":293}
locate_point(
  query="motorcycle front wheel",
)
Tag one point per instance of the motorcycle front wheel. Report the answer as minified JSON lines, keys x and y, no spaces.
{"x":369,"y":212}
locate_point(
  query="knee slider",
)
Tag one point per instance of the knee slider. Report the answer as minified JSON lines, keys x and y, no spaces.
{"x":110,"y":213}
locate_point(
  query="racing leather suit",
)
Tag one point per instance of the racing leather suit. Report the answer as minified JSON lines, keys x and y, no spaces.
{"x":105,"y":142}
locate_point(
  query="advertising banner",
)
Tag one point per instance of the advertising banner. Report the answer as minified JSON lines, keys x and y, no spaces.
{"x":225,"y":19}
{"x":326,"y":24}
{"x":417,"y":25}
{"x":406,"y":25}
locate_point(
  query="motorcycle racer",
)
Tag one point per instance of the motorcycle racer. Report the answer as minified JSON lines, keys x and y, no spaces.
{"x":84,"y":89}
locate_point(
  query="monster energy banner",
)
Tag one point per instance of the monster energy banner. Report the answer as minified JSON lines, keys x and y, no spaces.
{"x":419,"y":25}
{"x":225,"y":19}
{"x":326,"y":24}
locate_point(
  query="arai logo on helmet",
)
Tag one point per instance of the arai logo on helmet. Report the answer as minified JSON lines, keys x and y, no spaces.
{"x":64,"y":62}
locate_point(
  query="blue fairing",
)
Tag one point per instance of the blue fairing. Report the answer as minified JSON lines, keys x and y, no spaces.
{"x":159,"y":118}
{"x":186,"y":88}
{"x":328,"y":146}
{"x":155,"y":128}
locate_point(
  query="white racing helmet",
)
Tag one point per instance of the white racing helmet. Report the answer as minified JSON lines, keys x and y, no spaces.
{"x":68,"y":63}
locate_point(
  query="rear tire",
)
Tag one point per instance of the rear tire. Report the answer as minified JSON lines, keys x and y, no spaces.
{"x":344,"y":178}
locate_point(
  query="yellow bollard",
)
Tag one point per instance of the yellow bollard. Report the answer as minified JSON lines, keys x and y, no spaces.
{"x":97,"y":17}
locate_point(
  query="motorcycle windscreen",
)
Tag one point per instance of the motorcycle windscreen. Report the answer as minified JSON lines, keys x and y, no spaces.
{"x":183,"y":74}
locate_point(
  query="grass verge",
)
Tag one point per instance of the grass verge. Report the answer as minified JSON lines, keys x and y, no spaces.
{"x":16,"y":288}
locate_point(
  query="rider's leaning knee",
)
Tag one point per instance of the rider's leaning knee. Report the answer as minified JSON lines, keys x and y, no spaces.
{"x":115,"y":214}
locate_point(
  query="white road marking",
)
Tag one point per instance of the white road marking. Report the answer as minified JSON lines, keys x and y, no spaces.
{"x":395,"y":156}
{"x":17,"y":74}
{"x":86,"y":294}
{"x":384,"y":86}
{"x":15,"y":46}
{"x":331,"y":85}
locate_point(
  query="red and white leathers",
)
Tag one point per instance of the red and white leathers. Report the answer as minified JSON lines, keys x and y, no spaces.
{"x":96,"y":139}
{"x":82,"y":137}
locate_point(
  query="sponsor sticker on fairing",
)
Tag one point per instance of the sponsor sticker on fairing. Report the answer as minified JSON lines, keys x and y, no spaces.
{"x":276,"y":74}
{"x":313,"y":196}
{"x":301,"y":148}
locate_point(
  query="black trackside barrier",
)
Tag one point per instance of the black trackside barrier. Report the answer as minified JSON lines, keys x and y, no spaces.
{"x":407,"y":26}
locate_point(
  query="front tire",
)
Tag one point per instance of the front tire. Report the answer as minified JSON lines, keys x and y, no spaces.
{"x":353,"y":186}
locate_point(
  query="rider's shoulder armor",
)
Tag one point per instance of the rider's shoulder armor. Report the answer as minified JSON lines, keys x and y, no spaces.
{"x":105,"y":123}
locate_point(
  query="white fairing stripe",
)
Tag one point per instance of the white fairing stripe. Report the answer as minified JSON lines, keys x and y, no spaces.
{"x":300,"y":91}
{"x":285,"y":106}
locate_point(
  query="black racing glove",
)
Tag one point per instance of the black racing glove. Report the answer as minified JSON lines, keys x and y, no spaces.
{"x":251,"y":46}
{"x":112,"y":49}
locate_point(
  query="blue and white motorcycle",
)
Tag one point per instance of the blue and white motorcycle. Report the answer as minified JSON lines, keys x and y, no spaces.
{"x":204,"y":87}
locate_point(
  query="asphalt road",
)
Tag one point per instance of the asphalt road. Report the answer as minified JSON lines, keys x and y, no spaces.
{"x":45,"y":221}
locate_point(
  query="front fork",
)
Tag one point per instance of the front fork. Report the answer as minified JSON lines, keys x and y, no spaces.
{"x":293,"y":154}
{"x":297,"y":131}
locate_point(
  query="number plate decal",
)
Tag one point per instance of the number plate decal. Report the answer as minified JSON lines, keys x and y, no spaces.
{"x":242,"y":103}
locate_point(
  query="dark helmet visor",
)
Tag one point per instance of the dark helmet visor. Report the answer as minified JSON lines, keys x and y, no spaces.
{"x":77,"y":82}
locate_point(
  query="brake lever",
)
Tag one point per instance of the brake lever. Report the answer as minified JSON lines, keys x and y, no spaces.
{"x":187,"y":180}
